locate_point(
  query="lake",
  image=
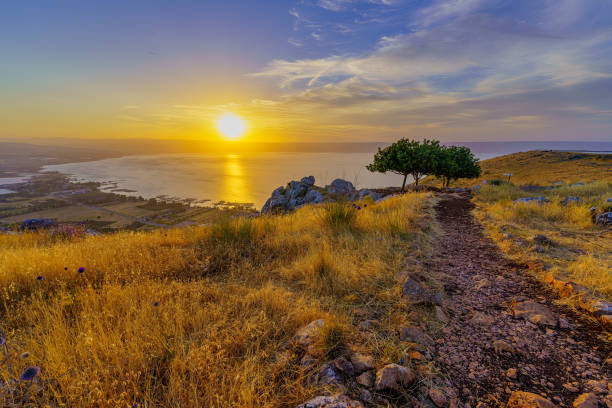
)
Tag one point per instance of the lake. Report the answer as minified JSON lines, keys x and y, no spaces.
{"x":250,"y":178}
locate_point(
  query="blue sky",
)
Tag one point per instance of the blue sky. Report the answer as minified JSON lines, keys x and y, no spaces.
{"x":308,"y":70}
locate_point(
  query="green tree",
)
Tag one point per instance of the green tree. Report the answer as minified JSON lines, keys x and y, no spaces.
{"x":457,"y":162}
{"x":408,"y":157}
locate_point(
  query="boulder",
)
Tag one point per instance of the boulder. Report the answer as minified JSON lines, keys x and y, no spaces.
{"x":340,"y":186}
{"x":324,"y":401}
{"x":313,"y":197}
{"x":364,"y":192}
{"x":394,"y":377}
{"x":345,"y":366}
{"x":521,"y":399}
{"x":571,"y":200}
{"x":276,"y":202}
{"x":535,"y":313}
{"x":604,"y":219}
{"x":309,"y":180}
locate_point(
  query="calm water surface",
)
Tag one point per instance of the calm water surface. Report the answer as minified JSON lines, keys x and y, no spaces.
{"x":249,"y":178}
{"x":243,"y":178}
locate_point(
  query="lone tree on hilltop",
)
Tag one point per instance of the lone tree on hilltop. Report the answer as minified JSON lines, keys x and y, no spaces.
{"x":408,"y":157}
{"x":457,"y":162}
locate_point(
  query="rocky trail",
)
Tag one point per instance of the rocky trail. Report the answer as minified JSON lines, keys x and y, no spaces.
{"x":505,"y":341}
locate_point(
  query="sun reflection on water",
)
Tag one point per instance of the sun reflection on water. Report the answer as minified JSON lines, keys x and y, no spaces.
{"x":235,"y":186}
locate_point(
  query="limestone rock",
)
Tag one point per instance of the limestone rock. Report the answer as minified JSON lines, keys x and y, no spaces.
{"x":441,"y":315}
{"x":394,"y":377}
{"x":342,"y":364}
{"x":339,"y":186}
{"x":313,"y":197}
{"x":604,"y":219}
{"x":323,"y":401}
{"x":328,"y":374}
{"x":309,"y":180}
{"x":535,"y":313}
{"x":521,"y":399}
{"x":588,"y":400}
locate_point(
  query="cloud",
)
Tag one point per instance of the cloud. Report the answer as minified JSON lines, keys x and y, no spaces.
{"x":462,"y":62}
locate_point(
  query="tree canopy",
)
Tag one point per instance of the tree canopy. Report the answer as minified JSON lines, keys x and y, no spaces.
{"x":429,"y":157}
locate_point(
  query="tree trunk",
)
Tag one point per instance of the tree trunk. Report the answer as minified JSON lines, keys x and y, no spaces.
{"x":416,"y":181}
{"x":404,"y":183}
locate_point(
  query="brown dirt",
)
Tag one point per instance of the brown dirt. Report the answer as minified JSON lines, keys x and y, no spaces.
{"x":545,"y":358}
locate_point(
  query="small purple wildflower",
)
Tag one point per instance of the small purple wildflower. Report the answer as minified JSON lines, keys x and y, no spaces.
{"x":135,"y":405}
{"x":39,"y":278}
{"x":402,"y":361}
{"x":365,"y":205}
{"x":2,"y":341}
{"x":156,"y":303}
{"x":29,"y":373}
{"x":81,"y":269}
{"x":65,"y":268}
{"x":246,"y":255}
{"x":359,"y":207}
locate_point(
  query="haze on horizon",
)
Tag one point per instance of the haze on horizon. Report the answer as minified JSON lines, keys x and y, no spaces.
{"x":307,"y":70}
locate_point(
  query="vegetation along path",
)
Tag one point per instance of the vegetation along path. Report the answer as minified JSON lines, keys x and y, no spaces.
{"x":504,"y":332}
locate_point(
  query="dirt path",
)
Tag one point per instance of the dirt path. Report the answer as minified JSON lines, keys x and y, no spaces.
{"x":483,"y":290}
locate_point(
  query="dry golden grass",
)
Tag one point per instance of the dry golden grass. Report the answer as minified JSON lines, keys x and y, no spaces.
{"x":582,"y":251}
{"x":203,"y":316}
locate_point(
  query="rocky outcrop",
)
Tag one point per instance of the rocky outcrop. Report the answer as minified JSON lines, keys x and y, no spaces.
{"x":298,"y":193}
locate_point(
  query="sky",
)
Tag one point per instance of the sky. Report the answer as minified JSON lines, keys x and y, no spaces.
{"x":307,"y":70}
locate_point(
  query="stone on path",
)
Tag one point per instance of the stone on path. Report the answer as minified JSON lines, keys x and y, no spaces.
{"x":415,"y":335}
{"x":588,"y":400}
{"x":536,"y":313}
{"x":521,"y":399}
{"x":437,"y":397}
{"x":362,"y":362}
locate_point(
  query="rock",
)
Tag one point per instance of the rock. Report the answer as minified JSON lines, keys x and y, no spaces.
{"x":415,"y":355}
{"x":361,"y":362}
{"x":339,"y":186}
{"x":394,"y":377}
{"x":571,"y":387}
{"x":607,"y":321}
{"x":500,"y":345}
{"x":571,"y":200}
{"x":437,"y":397}
{"x":531,"y":200}
{"x":364,"y":192}
{"x":441,"y":315}
{"x":307,"y":335}
{"x":415,"y":335}
{"x":327,"y":375}
{"x":511,"y":373}
{"x":543,"y":240}
{"x":307,"y":361}
{"x":587,"y":400}
{"x":313,"y":197}
{"x":521,"y":399}
{"x":309,"y":180}
{"x":562,"y":288}
{"x":323,"y":401}
{"x":368,"y":325}
{"x":535,"y":313}
{"x":601,"y":308}
{"x":604,"y":219}
{"x":415,"y":292}
{"x":482,"y":319}
{"x":366,"y":396}
{"x":366,"y":379}
{"x":345,"y":366}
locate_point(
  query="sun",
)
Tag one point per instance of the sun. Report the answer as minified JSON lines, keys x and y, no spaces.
{"x":231,"y":126}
